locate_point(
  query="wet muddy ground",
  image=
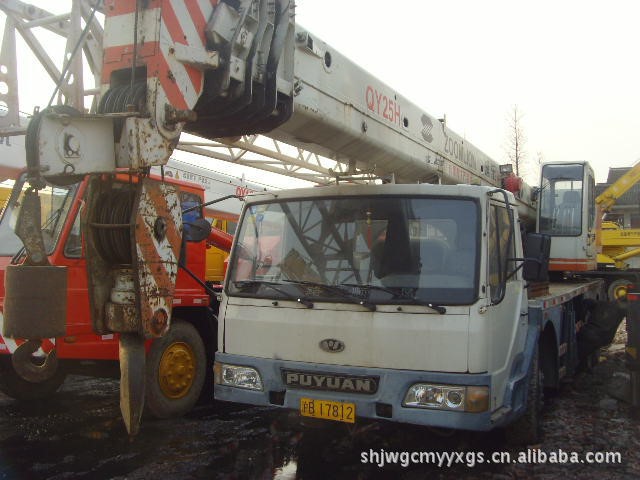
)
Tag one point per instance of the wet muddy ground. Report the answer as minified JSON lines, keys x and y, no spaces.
{"x":79,"y":434}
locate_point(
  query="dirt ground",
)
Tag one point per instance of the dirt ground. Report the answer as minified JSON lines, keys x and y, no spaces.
{"x":78,"y":433}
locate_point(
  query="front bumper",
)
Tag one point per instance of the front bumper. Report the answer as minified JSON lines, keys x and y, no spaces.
{"x":385,"y":404}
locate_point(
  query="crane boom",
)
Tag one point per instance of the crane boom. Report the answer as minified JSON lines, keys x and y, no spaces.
{"x":613,"y":192}
{"x":341,"y":109}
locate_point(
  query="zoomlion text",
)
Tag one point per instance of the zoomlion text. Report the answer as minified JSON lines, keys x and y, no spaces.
{"x":470,"y":459}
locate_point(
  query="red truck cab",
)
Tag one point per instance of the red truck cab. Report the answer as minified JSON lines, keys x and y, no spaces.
{"x":177,"y":364}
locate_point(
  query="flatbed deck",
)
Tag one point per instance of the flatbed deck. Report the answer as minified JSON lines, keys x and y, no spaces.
{"x":561,"y":292}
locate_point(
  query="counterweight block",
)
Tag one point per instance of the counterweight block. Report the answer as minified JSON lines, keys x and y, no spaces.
{"x":35,"y":305}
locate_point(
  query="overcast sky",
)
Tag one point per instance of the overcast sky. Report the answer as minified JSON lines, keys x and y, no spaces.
{"x":570,"y":66}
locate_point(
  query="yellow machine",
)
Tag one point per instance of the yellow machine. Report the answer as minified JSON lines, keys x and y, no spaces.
{"x":214,"y":270}
{"x":4,"y":196}
{"x":617,"y":246}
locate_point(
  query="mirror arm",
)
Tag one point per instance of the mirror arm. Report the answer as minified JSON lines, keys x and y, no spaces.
{"x":521,"y":266}
{"x":190,"y":209}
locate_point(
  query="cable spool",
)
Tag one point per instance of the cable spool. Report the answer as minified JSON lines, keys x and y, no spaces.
{"x":117,"y":99}
{"x":112,"y":217}
{"x":120,"y":99}
{"x":112,"y":228}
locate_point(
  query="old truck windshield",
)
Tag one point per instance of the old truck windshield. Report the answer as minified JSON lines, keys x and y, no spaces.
{"x":381,"y":250}
{"x":55,"y":205}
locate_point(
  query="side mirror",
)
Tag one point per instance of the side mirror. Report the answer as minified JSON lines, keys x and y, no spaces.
{"x":536,"y":257}
{"x":196,"y":230}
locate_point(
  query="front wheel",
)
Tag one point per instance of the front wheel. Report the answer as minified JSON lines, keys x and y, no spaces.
{"x":14,"y":386}
{"x":176,"y":370}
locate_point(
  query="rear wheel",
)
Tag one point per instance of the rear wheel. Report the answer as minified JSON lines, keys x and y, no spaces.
{"x":617,"y":289}
{"x":14,"y":386}
{"x":176,"y":370}
{"x":527,"y":429}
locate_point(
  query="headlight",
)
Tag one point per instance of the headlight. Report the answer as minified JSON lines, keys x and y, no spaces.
{"x":237,"y":376}
{"x":447,"y":397}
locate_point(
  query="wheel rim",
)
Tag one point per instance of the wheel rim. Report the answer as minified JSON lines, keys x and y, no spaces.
{"x":620,"y":291}
{"x":177,"y":370}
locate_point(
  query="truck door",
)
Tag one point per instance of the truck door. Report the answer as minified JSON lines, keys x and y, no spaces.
{"x":78,"y":319}
{"x":498,"y":326}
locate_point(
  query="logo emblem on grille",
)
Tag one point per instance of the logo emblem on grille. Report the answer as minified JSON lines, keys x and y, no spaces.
{"x":427,"y":126}
{"x":331,"y":382}
{"x":332,"y":345}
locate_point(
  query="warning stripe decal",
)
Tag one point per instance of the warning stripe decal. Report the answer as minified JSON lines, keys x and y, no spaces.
{"x":114,"y":8}
{"x":157,"y":261}
{"x":181,"y":22}
{"x":10,"y":344}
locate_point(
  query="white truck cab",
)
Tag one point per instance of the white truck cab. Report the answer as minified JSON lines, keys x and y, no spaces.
{"x":402,"y":302}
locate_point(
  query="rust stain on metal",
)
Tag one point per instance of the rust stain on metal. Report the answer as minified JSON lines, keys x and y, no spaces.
{"x":121,"y":318}
{"x":159,"y":322}
{"x":157,"y":254}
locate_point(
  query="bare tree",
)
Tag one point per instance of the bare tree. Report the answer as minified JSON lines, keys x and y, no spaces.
{"x":516,"y":139}
{"x":533,"y":167}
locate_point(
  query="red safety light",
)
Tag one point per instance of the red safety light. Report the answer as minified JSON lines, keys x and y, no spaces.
{"x":633,"y":294}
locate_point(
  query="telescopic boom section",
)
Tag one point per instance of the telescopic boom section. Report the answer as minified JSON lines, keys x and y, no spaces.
{"x":613,"y":192}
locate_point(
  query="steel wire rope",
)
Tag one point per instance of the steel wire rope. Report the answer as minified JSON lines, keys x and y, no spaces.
{"x":77,"y":46}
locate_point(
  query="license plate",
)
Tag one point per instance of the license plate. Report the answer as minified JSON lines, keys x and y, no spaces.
{"x":328,"y":410}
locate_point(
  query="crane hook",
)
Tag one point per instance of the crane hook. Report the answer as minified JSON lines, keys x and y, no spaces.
{"x":23,"y":362}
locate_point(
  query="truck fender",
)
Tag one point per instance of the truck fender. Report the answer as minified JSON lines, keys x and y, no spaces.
{"x":515,"y":395}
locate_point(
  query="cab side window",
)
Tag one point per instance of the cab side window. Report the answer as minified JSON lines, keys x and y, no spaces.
{"x":501,"y":251}
{"x":73,"y":245}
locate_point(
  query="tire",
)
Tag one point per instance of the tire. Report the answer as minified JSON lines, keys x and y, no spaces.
{"x":527,"y":430}
{"x":617,"y":289}
{"x":175,"y":371}
{"x":14,"y":386}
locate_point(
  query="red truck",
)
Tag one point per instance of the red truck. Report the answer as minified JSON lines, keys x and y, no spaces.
{"x":177,"y":365}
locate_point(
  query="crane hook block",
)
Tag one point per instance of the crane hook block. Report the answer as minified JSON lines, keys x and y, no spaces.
{"x":35,"y":304}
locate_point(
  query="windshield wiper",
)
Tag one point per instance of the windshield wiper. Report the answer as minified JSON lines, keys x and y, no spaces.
{"x":399,"y":294}
{"x":273,"y":286}
{"x":336,"y":289}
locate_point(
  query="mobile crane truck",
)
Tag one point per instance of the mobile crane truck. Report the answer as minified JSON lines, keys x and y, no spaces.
{"x":378,"y":322}
{"x":619,"y":247}
{"x":178,"y":364}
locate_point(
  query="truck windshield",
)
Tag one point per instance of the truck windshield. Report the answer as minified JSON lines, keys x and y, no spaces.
{"x":378,"y":249}
{"x":561,"y":200}
{"x":55,"y":205}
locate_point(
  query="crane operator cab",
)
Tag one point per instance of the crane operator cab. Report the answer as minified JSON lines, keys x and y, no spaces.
{"x":567,"y":213}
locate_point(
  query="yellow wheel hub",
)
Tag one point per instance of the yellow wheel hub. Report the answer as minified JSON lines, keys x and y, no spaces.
{"x":177,"y":370}
{"x":620,"y":291}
